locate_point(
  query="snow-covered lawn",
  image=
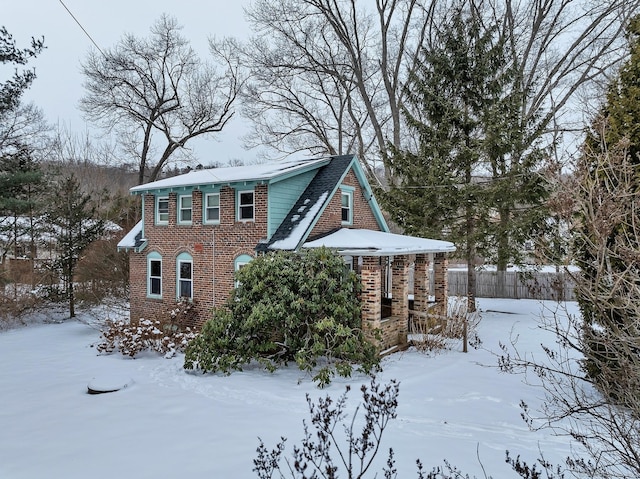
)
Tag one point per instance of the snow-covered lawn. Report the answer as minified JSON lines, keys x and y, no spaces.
{"x":169,"y":423}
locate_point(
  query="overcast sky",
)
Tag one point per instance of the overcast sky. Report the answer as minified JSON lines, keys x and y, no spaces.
{"x":58,"y":86}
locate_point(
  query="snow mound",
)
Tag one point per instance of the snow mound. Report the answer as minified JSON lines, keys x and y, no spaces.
{"x":108,"y":383}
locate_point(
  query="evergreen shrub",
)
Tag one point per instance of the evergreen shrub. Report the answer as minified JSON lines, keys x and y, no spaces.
{"x":288,"y":307}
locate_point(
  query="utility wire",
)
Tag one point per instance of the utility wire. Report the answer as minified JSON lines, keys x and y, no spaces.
{"x":83,"y":29}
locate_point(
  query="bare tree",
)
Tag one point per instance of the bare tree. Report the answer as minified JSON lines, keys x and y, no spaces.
{"x":328,"y":75}
{"x":560,"y":48}
{"x":155,"y":93}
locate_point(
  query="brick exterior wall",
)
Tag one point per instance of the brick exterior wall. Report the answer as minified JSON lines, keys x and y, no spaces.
{"x":212,"y":247}
{"x":440,"y":266}
{"x":331,"y":218}
{"x":370,"y":299}
{"x":421,"y":283}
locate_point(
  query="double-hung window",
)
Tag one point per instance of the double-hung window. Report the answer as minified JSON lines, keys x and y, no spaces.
{"x":162,"y":210}
{"x":212,"y":208}
{"x":184,"y":208}
{"x":185,"y":276}
{"x":245,"y":205}
{"x":154,"y":275}
{"x":346,"y":197}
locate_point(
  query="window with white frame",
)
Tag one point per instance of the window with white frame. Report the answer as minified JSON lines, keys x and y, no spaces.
{"x":346,"y":197}
{"x":154,"y":275}
{"x":184,"y":208}
{"x":184,"y":276}
{"x":245,"y":205}
{"x":212,"y":208}
{"x":162,"y":210}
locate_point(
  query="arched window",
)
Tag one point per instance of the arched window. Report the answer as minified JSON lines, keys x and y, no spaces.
{"x":184,"y":276}
{"x":241,"y":261}
{"x":154,"y":275}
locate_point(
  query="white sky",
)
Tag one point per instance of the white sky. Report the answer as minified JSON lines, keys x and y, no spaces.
{"x":58,"y":87}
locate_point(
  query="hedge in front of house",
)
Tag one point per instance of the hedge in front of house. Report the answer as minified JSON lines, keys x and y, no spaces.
{"x":288,"y":307}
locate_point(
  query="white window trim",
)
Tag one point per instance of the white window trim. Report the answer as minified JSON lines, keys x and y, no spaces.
{"x":205,"y":207}
{"x":253,"y":206}
{"x":347,"y":191}
{"x":183,"y":258}
{"x":181,"y":209}
{"x":157,"y":210}
{"x":153,"y":257}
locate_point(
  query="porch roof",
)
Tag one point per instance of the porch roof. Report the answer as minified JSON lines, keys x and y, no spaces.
{"x":133,"y":240}
{"x":363,"y":242}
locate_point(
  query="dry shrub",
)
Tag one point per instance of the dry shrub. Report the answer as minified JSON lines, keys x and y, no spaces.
{"x":437,"y":332}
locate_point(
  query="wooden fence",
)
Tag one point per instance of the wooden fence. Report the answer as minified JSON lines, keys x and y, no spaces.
{"x":515,"y":285}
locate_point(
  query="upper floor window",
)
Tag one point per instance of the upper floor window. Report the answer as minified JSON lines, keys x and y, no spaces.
{"x":212,"y":208}
{"x":347,"y":206}
{"x":184,"y":209}
{"x":245,"y":205}
{"x":185,"y":276}
{"x":162,"y":210}
{"x":154,"y":275}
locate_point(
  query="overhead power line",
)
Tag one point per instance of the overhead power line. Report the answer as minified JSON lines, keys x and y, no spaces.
{"x":83,"y":29}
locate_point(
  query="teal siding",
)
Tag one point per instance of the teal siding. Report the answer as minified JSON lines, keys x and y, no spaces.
{"x":282,"y":197}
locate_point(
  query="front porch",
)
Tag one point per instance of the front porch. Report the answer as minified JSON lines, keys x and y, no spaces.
{"x":383,"y":262}
{"x":387,"y":315}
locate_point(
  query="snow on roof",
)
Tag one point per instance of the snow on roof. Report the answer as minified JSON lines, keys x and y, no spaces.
{"x":291,"y":241}
{"x":129,"y":240}
{"x":377,"y":243}
{"x":266,"y":171}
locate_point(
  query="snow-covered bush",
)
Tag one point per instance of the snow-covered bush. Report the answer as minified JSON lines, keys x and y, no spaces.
{"x":165,"y":336}
{"x":145,"y":335}
{"x":299,"y":307}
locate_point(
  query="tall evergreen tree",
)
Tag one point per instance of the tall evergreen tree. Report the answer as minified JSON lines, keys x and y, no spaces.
{"x":607,"y":231}
{"x":73,"y":219}
{"x":471,"y":170}
{"x":21,"y":181}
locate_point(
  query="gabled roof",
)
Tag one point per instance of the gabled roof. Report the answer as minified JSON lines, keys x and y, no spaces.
{"x":362,"y":242}
{"x":268,"y":172}
{"x":301,"y":219}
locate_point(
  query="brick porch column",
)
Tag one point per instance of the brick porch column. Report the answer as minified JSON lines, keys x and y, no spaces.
{"x":400,"y":296}
{"x":440,"y":266}
{"x":371,"y":297}
{"x":421,"y":283}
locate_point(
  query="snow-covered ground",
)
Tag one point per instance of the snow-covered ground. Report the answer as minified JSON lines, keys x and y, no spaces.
{"x":170,"y":423}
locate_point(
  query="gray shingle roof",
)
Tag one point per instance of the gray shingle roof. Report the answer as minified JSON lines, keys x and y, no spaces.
{"x":301,"y":218}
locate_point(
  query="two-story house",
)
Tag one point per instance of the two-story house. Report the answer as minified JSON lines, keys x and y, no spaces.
{"x":197,"y":229}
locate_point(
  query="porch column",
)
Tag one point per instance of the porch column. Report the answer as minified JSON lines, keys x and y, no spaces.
{"x":440,"y":267}
{"x":400,"y":296}
{"x":371,"y":297}
{"x":421,"y":283}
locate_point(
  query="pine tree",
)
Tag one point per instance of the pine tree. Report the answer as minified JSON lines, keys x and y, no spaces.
{"x":73,"y":219}
{"x":12,"y":89}
{"x":473,"y":169}
{"x":21,"y":182}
